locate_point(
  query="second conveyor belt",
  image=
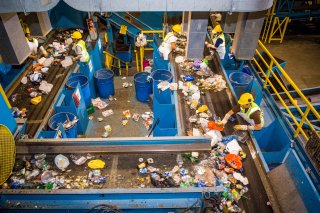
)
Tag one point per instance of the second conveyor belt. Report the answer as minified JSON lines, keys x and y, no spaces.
{"x":220,"y":103}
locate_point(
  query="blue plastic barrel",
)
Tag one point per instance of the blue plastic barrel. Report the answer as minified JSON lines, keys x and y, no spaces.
{"x":61,"y":117}
{"x":85,"y":88}
{"x":241,"y":82}
{"x":104,"y":82}
{"x":143,"y":85}
{"x":161,"y":75}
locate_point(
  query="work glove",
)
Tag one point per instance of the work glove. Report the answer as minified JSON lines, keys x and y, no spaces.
{"x":224,"y":120}
{"x":243,"y":127}
{"x":240,"y":127}
{"x":178,"y":49}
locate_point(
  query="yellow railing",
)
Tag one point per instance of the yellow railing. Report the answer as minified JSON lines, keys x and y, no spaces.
{"x":273,"y":26}
{"x":109,"y":62}
{"x":142,"y":49}
{"x":268,"y":22}
{"x":310,"y":107}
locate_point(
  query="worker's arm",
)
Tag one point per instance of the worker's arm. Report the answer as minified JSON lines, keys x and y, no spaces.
{"x":78,"y":51}
{"x":248,"y":127}
{"x":224,"y":121}
{"x":257,"y":120}
{"x":173,"y":46}
{"x":176,"y":48}
{"x":209,"y":45}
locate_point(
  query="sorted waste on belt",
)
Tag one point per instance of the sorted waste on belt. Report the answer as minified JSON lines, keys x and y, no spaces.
{"x":218,"y":168}
{"x":35,"y":81}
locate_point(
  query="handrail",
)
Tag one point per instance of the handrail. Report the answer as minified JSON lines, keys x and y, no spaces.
{"x":310,"y":107}
{"x":138,"y":20}
{"x":142,"y":49}
{"x":119,"y":62}
{"x":128,"y":22}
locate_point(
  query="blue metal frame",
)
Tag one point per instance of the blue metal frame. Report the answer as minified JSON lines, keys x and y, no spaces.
{"x":128,"y":200}
{"x":285,"y":8}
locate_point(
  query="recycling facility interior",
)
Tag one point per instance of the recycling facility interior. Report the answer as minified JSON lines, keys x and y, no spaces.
{"x":127,"y":131}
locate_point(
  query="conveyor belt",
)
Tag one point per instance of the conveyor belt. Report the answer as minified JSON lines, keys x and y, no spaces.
{"x":220,"y":103}
{"x":36,"y":113}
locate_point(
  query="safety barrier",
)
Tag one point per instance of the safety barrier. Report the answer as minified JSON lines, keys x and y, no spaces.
{"x":274,"y":24}
{"x":310,"y":108}
{"x":142,"y":49}
{"x":109,"y":62}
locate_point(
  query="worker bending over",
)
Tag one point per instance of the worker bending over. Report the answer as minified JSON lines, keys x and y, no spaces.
{"x":218,"y":41}
{"x":80,"y":47}
{"x":169,"y":42}
{"x":249,"y":111}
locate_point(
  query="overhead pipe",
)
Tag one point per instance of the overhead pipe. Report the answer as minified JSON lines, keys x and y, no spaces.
{"x":26,"y":6}
{"x":139,"y":5}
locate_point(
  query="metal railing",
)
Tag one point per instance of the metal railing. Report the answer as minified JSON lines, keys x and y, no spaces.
{"x":142,"y":49}
{"x":110,"y":59}
{"x":274,"y":25}
{"x":267,"y":81}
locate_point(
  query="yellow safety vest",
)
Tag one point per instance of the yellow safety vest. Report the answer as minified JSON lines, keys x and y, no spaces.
{"x":34,"y":40}
{"x":84,"y":51}
{"x":246,"y":115}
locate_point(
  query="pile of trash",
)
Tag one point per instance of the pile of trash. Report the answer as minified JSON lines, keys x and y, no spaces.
{"x":56,"y":54}
{"x":38,"y":173}
{"x":181,"y":42}
{"x":223,"y":168}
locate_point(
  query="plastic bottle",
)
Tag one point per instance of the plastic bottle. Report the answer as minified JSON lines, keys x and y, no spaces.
{"x":179,"y":160}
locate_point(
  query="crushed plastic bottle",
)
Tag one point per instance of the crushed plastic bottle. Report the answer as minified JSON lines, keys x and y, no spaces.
{"x":179,"y":160}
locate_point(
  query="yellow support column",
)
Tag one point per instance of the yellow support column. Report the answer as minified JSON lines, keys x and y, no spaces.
{"x":141,"y":58}
{"x":137,"y":60}
{"x":119,"y":66}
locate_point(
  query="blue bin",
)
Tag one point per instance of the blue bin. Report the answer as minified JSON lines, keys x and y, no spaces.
{"x":104,"y":82}
{"x":85,"y":88}
{"x":143,"y":85}
{"x":161,"y":75}
{"x":61,"y":117}
{"x":241,"y":82}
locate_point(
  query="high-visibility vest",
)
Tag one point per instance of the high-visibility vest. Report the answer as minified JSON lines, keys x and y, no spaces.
{"x":165,"y":43}
{"x":34,"y":40}
{"x":246,"y":115}
{"x":221,"y":49}
{"x":84,"y":53}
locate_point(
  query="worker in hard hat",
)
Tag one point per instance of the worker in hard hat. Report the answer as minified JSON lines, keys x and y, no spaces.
{"x":217,"y":17}
{"x":218,"y":41}
{"x":169,"y":42}
{"x":33,"y":44}
{"x":80,"y":47}
{"x":249,"y":111}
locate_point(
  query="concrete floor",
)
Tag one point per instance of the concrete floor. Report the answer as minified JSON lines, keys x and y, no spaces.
{"x":302,"y":54}
{"x":126,"y":100}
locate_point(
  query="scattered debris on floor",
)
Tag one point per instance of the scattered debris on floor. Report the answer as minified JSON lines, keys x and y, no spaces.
{"x":100,"y":104}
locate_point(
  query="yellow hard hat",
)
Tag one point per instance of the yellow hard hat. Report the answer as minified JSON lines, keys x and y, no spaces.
{"x":27,"y":30}
{"x":76,"y":35}
{"x":177,"y":28}
{"x":217,"y":29}
{"x":245,"y":98}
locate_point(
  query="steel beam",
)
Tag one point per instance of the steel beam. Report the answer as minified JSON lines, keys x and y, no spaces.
{"x":114,"y":145}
